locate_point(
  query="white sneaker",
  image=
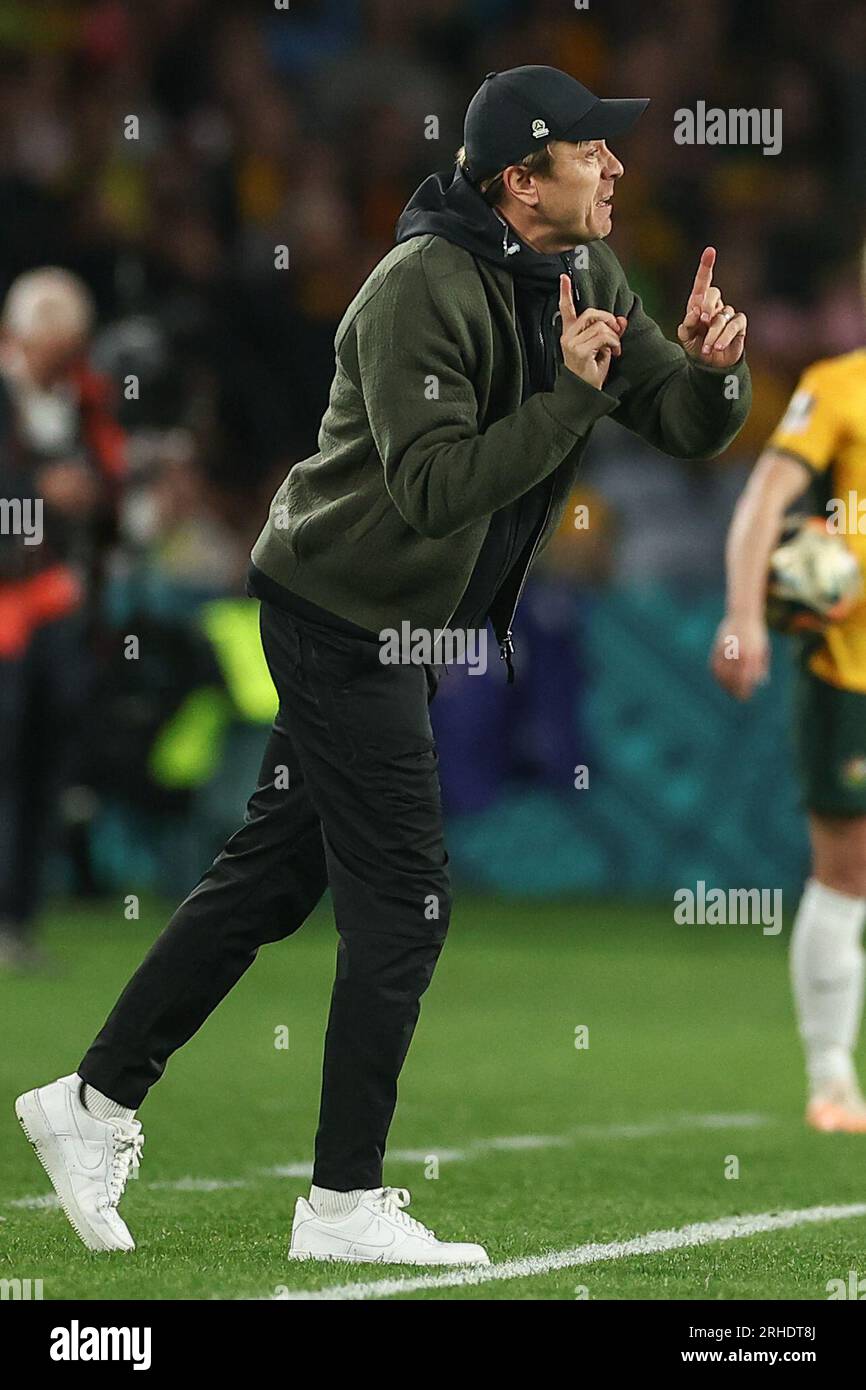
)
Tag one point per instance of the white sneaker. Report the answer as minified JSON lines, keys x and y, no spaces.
{"x":378,"y":1231}
{"x":87,"y":1159}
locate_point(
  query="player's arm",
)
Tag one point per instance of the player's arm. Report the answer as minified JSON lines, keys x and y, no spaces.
{"x":803,"y":445}
{"x":741,"y":651}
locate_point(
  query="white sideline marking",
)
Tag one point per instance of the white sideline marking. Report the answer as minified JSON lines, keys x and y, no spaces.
{"x":475,"y":1149}
{"x":48,"y":1202}
{"x":651,"y":1129}
{"x":305,"y":1170}
{"x":197,"y":1184}
{"x":516,"y":1142}
{"x":421,"y":1155}
{"x":288,"y":1170}
{"x":655,"y":1242}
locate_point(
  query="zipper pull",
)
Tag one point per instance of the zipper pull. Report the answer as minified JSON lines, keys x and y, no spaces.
{"x":506,"y":652}
{"x":569,"y":265}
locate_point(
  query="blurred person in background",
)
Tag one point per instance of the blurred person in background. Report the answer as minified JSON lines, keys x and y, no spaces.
{"x":817,"y":452}
{"x":61,"y":462}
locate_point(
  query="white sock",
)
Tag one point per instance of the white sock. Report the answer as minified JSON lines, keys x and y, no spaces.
{"x":332,"y":1205}
{"x":827,"y":976}
{"x":102,"y":1107}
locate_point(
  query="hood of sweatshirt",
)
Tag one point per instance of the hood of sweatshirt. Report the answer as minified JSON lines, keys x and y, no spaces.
{"x":447,"y":205}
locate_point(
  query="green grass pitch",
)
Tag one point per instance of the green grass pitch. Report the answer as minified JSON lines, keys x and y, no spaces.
{"x":692,"y":1062}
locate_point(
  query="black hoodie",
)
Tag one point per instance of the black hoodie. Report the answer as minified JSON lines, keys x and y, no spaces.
{"x":447,"y":205}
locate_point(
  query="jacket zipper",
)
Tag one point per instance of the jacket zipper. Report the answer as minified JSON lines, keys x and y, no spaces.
{"x":506,"y":646}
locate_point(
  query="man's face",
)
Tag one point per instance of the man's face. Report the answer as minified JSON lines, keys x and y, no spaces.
{"x":575,"y":199}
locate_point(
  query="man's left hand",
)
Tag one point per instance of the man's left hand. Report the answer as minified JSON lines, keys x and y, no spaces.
{"x":712,"y":331}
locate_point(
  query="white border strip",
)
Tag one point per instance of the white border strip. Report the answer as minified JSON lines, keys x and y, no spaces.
{"x":655,"y":1242}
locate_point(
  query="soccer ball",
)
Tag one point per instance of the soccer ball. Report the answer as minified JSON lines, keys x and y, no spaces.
{"x":814,"y":578}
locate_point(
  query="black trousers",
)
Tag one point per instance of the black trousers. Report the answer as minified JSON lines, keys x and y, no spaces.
{"x":348,"y":796}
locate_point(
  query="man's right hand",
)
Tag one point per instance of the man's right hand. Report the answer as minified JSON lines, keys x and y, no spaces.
{"x":589,"y":340}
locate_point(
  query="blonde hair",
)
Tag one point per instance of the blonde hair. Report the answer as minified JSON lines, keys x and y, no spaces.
{"x":491,"y":189}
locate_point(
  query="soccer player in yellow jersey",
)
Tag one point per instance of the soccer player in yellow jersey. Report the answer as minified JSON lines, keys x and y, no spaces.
{"x":821,"y":441}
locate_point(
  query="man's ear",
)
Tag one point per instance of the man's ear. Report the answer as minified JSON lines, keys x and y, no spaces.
{"x":520,"y":183}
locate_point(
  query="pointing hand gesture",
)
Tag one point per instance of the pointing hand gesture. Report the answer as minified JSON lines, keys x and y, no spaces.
{"x":712,"y":331}
{"x":588,"y":340}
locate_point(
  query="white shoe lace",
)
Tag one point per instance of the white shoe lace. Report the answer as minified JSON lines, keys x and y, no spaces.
{"x":126,"y":1147}
{"x":391,"y":1202}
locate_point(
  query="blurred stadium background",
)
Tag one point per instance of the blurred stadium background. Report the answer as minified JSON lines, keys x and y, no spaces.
{"x":307,"y":127}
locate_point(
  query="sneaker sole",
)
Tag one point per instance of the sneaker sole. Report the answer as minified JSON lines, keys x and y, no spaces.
{"x":380,"y":1260}
{"x":38,"y":1133}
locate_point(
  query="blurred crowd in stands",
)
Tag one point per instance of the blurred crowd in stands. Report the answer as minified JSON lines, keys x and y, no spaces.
{"x":255,"y":126}
{"x":162,"y":151}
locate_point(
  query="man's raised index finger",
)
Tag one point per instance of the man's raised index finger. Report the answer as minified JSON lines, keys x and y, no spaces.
{"x":704,"y":275}
{"x":566,"y":302}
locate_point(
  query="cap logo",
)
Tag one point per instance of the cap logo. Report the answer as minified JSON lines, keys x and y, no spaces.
{"x":539,"y":128}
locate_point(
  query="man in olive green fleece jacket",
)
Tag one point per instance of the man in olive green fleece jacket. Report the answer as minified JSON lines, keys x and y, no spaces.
{"x":471,"y":368}
{"x":425,"y":435}
{"x":431,"y":428}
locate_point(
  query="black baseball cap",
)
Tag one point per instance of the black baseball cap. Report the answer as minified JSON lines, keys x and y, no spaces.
{"x":520,"y":110}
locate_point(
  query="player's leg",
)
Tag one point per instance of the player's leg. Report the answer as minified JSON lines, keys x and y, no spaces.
{"x":366,"y":747}
{"x":827,"y":965}
{"x":259,"y":889}
{"x":827,"y":961}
